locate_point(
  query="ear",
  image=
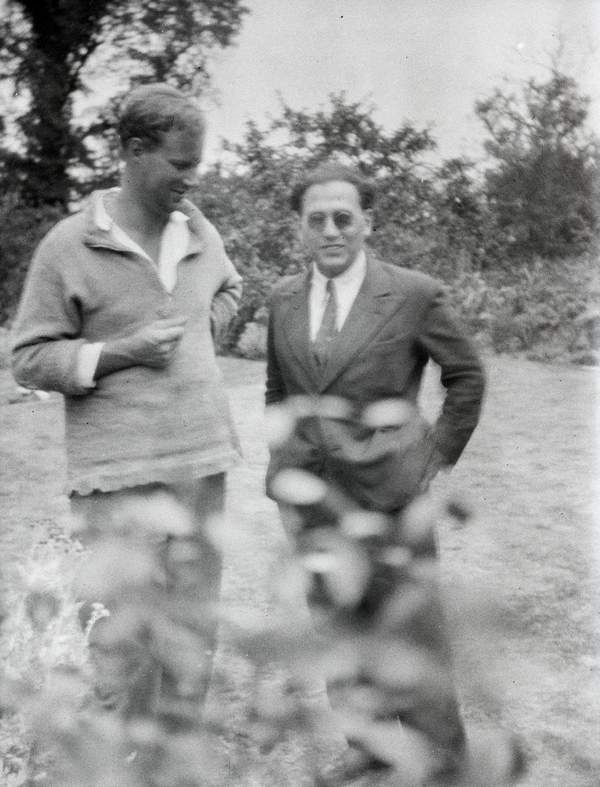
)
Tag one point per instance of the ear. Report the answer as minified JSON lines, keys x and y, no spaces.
{"x":368,"y":215}
{"x":134,"y":148}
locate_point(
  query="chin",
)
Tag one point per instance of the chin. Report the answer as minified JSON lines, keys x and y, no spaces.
{"x":332,"y":267}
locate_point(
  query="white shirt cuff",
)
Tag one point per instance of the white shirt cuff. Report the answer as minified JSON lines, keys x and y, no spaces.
{"x":87,"y":362}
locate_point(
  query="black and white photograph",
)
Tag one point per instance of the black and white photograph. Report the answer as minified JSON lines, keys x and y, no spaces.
{"x":299,"y":393}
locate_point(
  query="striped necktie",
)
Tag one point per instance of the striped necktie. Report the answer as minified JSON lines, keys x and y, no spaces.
{"x":328,"y":328}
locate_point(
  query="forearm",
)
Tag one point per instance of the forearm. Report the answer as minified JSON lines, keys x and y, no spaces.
{"x":115,"y":356}
{"x":48,"y":365}
{"x":46,"y":336}
{"x":462,"y":375}
{"x":226,"y":300}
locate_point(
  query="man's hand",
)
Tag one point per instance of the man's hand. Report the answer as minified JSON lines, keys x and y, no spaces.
{"x":154,"y":346}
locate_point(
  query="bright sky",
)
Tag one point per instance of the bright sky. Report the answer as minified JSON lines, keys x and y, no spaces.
{"x":426,"y":61}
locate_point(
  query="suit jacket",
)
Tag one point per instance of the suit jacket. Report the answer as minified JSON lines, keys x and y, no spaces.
{"x":398,"y":321}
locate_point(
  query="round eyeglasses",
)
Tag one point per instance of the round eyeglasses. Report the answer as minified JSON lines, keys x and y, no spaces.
{"x":341,"y":218}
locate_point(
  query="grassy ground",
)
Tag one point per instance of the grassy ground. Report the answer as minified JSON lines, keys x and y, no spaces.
{"x":532,"y":545}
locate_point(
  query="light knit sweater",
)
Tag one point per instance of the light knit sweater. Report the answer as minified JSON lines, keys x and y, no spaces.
{"x":139,"y":425}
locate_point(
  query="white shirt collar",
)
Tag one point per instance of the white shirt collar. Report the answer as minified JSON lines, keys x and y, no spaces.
{"x":104,"y":221}
{"x":174,"y":242}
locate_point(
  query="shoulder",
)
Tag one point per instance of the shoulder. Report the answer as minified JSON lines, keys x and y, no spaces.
{"x":68,"y":229}
{"x":408,"y":280}
{"x":61,"y":245}
{"x":200,"y":225}
{"x":288,"y":286}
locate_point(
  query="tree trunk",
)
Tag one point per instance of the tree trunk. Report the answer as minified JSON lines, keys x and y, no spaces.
{"x":50,"y":141}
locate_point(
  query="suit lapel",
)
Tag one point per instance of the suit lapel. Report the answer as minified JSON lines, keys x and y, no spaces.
{"x":295,"y":324}
{"x":374,"y":305}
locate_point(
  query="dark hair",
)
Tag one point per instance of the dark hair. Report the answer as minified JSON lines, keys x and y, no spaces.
{"x":150,"y":111}
{"x":325,"y":173}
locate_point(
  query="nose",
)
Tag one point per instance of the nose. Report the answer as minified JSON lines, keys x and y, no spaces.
{"x":330,"y":229}
{"x":190,"y":177}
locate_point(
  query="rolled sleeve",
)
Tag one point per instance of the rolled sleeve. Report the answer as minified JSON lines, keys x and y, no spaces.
{"x":87,"y":363}
{"x":46,"y":338}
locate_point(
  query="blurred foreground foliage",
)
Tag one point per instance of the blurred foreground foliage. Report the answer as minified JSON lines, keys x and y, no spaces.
{"x":371,"y":581}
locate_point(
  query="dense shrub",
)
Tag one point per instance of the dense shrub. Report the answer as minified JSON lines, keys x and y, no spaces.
{"x":21,"y":229}
{"x":544,"y":308}
{"x":440,"y":221}
{"x":543,"y":166}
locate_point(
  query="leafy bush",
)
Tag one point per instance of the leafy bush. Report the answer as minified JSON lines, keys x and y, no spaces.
{"x":21,"y":229}
{"x":544,"y":309}
{"x":438,"y":221}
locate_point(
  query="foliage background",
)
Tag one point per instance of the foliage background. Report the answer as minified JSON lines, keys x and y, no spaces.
{"x":514,"y":235}
{"x":515,"y":240}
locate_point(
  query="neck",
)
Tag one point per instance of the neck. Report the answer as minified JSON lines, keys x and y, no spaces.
{"x":130,"y":210}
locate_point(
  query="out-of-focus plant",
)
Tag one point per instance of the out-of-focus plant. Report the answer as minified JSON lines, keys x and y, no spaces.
{"x":373,"y":586}
{"x":371,"y":581}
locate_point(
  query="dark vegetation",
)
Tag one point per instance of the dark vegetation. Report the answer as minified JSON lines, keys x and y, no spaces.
{"x":513,"y":235}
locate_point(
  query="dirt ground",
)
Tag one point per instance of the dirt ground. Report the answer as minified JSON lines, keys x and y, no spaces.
{"x":533,"y":546}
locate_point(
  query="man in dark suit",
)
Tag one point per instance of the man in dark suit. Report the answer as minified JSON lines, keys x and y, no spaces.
{"x":362,"y":330}
{"x":385,"y":323}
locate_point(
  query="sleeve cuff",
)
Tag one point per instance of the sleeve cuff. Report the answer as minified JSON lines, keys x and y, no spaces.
{"x":87,"y":362}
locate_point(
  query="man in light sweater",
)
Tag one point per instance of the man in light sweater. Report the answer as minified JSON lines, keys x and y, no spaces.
{"x":120,"y":312}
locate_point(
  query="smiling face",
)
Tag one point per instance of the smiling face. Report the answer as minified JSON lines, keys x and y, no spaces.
{"x":164,"y":173}
{"x":333,"y":226}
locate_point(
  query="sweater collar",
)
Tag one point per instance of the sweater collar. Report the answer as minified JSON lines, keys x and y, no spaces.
{"x":99,"y":224}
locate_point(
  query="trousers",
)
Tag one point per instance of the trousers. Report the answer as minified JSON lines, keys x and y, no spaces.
{"x":137,"y":673}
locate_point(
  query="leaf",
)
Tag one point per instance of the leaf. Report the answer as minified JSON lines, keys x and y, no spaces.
{"x":401,"y":747}
{"x":333,"y":407}
{"x":418,"y":522}
{"x":398,"y":557}
{"x":115,"y":564}
{"x":298,"y":487}
{"x":458,"y":510}
{"x":344,"y":568}
{"x":388,"y":412}
{"x":157,"y":515}
{"x":279,"y":423}
{"x":363,"y":524}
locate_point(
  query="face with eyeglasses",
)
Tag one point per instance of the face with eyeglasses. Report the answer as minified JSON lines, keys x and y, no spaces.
{"x":333,"y":226}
